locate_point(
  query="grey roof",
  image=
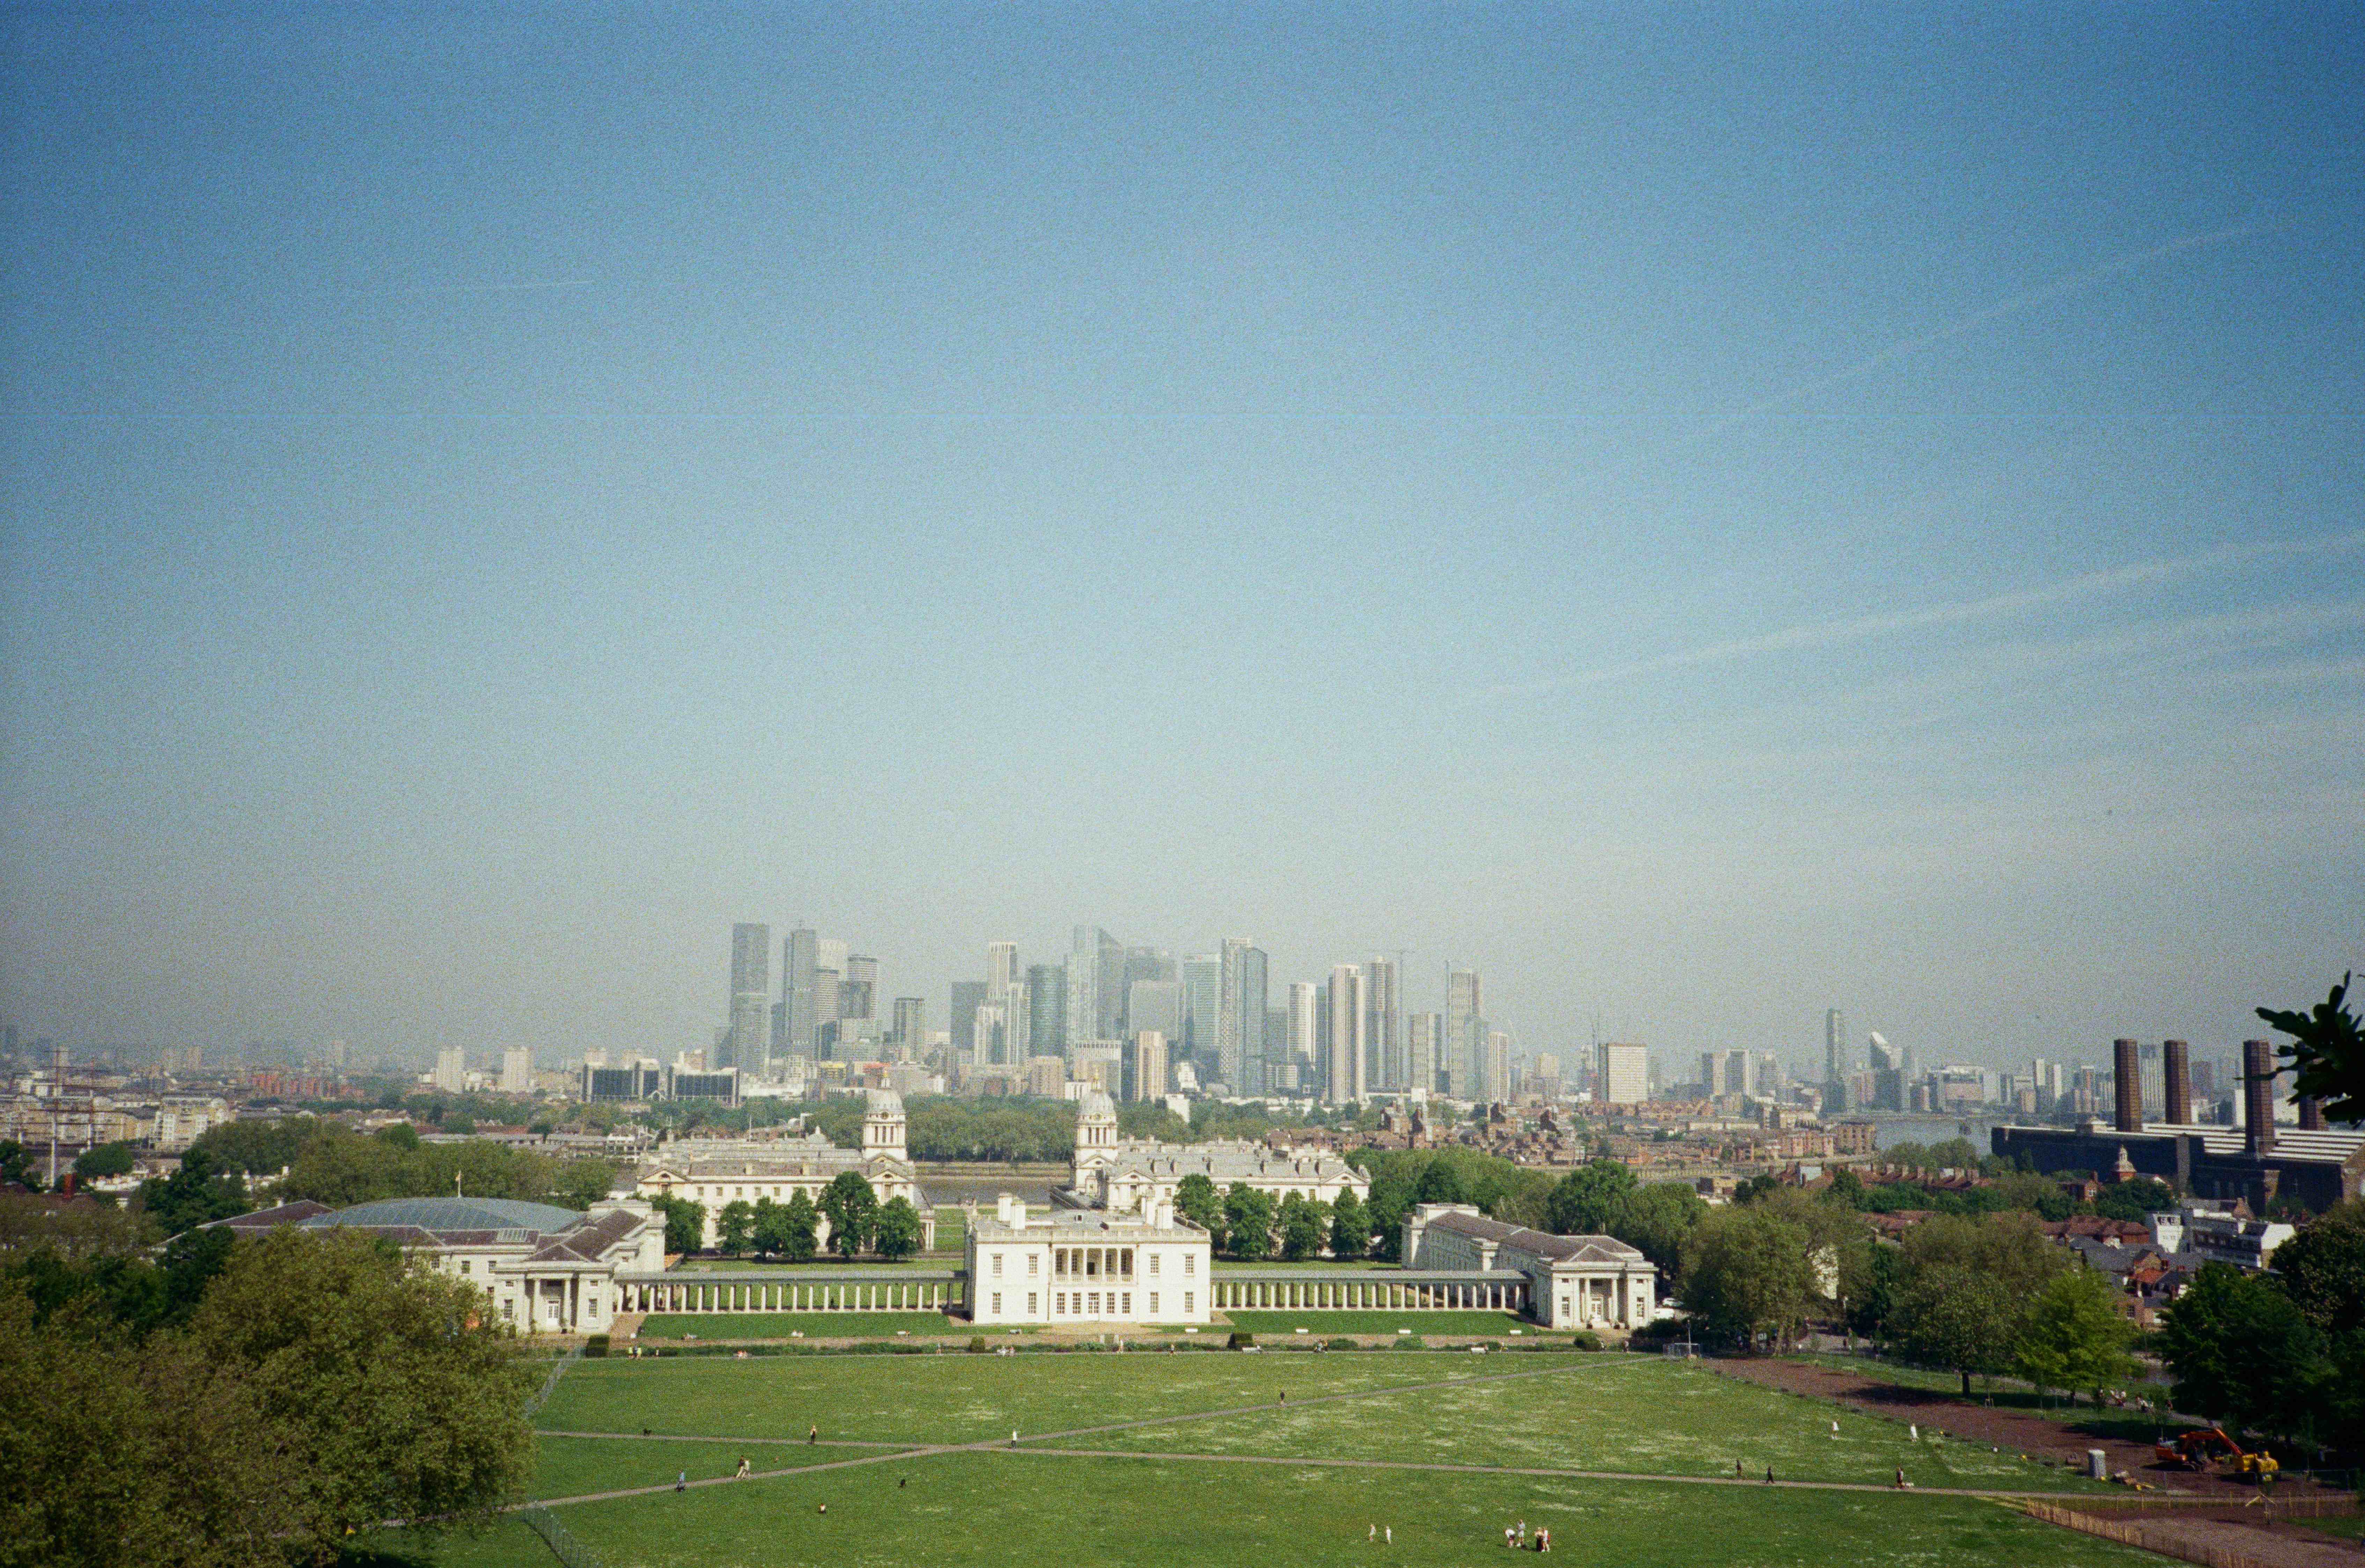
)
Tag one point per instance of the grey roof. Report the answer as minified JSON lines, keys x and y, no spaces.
{"x":1227,"y":1161}
{"x":1540,"y":1244}
{"x":450,"y":1214}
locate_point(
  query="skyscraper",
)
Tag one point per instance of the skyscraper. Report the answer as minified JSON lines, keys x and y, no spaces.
{"x":912,"y":1025}
{"x":1001,"y":965}
{"x":799,"y":1023}
{"x":1203,"y":1003}
{"x":1050,"y":1013}
{"x":1383,"y":1026}
{"x":1497,"y":1070}
{"x":517,"y":1070}
{"x":1622,"y":1074}
{"x":1240,"y":1027}
{"x":1342,"y":1057}
{"x":1424,"y":1050}
{"x":960,"y":1014}
{"x":1301,"y":1034}
{"x":748,"y":1039}
{"x":1836,"y":1065}
{"x":1155,"y":1004}
{"x":1465,"y":1033}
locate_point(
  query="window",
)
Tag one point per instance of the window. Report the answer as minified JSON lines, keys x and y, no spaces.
{"x":1186,"y":1304}
{"x":1031,"y":1298}
{"x":466,"y":1267}
{"x":1154,"y":1303}
{"x":1031,"y":1259}
{"x":997,"y":1265}
{"x":1190,"y":1264}
{"x":1127,"y":1308}
{"x":997,"y":1303}
{"x":1153,"y":1265}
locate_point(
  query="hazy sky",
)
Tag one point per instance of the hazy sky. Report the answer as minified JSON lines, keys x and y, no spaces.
{"x":1706,"y":514}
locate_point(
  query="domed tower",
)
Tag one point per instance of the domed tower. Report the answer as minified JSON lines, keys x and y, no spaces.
{"x":882,"y":1125}
{"x":1095,"y":1132}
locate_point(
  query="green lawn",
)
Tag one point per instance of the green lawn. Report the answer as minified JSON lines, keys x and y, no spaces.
{"x":811,"y":1325}
{"x":1642,"y":1415}
{"x":1319,"y":1323}
{"x":995,"y":1508}
{"x":2128,"y":1425}
{"x":952,"y":1230}
{"x":954,"y":1397}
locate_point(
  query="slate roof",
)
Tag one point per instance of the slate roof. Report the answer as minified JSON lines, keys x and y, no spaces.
{"x":1540,"y":1244}
{"x":446,"y":1215}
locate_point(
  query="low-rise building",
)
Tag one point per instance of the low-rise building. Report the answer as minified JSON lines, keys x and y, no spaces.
{"x":1084,"y":1269}
{"x":1577,"y":1282}
{"x":717,"y":1172}
{"x":1136,"y":1175}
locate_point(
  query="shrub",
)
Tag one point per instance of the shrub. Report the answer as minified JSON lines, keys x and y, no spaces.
{"x":1586,"y":1339}
{"x":1410,"y":1342}
{"x":1240,"y":1341}
{"x":1339,"y":1344}
{"x":595,"y":1347}
{"x":977,"y":1344}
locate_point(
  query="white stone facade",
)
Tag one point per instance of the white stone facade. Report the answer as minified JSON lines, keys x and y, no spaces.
{"x":717,"y":1172}
{"x":1077,"y":1267}
{"x":1137,"y":1175}
{"x":1578,"y":1282}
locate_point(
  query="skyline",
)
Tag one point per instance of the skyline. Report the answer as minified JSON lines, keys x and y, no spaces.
{"x":1701,"y":518}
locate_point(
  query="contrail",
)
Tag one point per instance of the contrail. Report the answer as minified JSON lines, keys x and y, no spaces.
{"x":1826,"y":633}
{"x":2069,"y":283}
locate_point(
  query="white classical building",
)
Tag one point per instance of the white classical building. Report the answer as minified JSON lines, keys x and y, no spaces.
{"x":545,"y":1269}
{"x":718,"y":1171}
{"x":1136,"y":1175}
{"x":1084,"y":1268}
{"x":1577,"y":1282}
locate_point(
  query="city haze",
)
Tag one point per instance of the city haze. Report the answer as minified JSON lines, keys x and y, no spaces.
{"x":1703,"y":518}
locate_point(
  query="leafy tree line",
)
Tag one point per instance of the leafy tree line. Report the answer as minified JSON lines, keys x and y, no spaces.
{"x":245,"y":1403}
{"x":2281,"y":1353}
{"x":790,"y":1231}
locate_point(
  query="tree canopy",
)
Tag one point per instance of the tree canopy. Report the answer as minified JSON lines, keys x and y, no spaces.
{"x":2325,"y":1053}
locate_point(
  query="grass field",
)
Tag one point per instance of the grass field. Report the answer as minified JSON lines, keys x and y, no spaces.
{"x":811,"y":1325}
{"x":1371,"y":1421}
{"x":1317,"y":1324}
{"x":2126,"y":1425}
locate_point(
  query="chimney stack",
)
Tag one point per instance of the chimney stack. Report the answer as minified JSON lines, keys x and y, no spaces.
{"x":2257,"y":1097}
{"x":2176,"y":1068}
{"x":2311,"y":1114}
{"x":2126,"y":1075}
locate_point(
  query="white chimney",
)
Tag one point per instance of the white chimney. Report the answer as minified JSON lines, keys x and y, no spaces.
{"x":1002,"y":1208}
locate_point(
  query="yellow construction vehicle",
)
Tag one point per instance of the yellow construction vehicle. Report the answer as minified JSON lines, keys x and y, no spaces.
{"x":2195,"y":1449}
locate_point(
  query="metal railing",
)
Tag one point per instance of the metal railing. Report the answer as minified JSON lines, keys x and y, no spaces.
{"x":563,"y":1545}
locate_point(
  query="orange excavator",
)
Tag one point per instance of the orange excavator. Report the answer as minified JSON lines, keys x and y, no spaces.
{"x":2195,"y":1449}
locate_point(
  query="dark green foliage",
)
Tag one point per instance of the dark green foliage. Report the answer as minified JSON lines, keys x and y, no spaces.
{"x":1846,"y":1189}
{"x":1240,"y":1341}
{"x":1746,"y":1276}
{"x":895,"y":1233}
{"x":2323,"y":1268}
{"x":1196,"y":1200}
{"x":2326,"y":1053}
{"x":1350,"y":1227}
{"x":2242,"y":1352}
{"x":401,"y":1135}
{"x":258,"y":1148}
{"x":1586,"y":1339}
{"x":734,"y":1228}
{"x":1402,"y":1178}
{"x":1247,"y":1223}
{"x":850,"y":1206}
{"x":1305,"y":1225}
{"x":106,"y":1159}
{"x":17,"y":1165}
{"x":197,"y":1193}
{"x":977,"y":1344}
{"x":337,"y":1168}
{"x":596,"y":1346}
{"x":1587,"y":1200}
{"x":685,"y":1223}
{"x":2135,"y":1199}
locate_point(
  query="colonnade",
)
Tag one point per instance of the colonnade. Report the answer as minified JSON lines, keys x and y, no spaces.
{"x":677,"y":1293}
{"x":1376,"y":1294}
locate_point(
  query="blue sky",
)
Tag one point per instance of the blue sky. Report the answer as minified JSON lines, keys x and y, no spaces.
{"x":1706,"y":514}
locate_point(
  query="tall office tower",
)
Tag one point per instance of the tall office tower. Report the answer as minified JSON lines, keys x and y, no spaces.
{"x":1203,"y":1003}
{"x":1497,"y":1065}
{"x":1079,"y":998}
{"x":1155,"y":1004}
{"x":1301,"y":1037}
{"x":1836,"y":1065}
{"x":1103,"y":957}
{"x":1145,"y":1066}
{"x":1001,"y":966}
{"x":749,"y":1035}
{"x":991,"y":1030}
{"x":1152,"y":964}
{"x":1621,"y":1074}
{"x":517,"y":1070}
{"x":1547,"y":1074}
{"x":800,"y":1022}
{"x":451,"y":1070}
{"x":1239,"y":1019}
{"x":912,"y":1025}
{"x":1342,"y":1056}
{"x":1383,"y":1024}
{"x":968,"y":996}
{"x":1465,"y":1031}
{"x":857,"y":989}
{"x":1050,"y":1019}
{"x":1711,"y":1073}
{"x":1737,"y":1077}
{"x":1892,"y":1074}
{"x":825,"y":980}
{"x":1424,"y":1050}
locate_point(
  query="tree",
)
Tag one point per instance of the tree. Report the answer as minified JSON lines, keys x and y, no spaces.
{"x":105,"y":1159}
{"x":1747,"y":1274}
{"x":1247,"y":1222}
{"x":896,"y":1231}
{"x":401,"y":1135}
{"x":1351,"y":1227}
{"x":800,"y":1228}
{"x":1196,"y":1200}
{"x":1440,"y":1182}
{"x":1846,"y":1189}
{"x":2323,"y":1268}
{"x":387,"y":1381}
{"x":685,"y":1223}
{"x":2135,"y":1199}
{"x":734,"y":1227}
{"x":2325,"y":1054}
{"x":17,"y":1165}
{"x":2241,"y":1353}
{"x":1656,"y":1219}
{"x":1959,"y":1319}
{"x":1305,"y":1224}
{"x":1590,"y":1200}
{"x":195,"y":1194}
{"x":849,"y":1205}
{"x":2075,"y":1337}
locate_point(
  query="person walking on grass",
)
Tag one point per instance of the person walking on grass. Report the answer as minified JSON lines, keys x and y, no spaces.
{"x":741,"y":1473}
{"x":681,"y":1480}
{"x":1770,"y":1475}
{"x":813,"y":1433}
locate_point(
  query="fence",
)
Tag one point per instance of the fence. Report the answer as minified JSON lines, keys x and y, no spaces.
{"x":2127,"y":1527}
{"x":563,"y":1545}
{"x":550,"y":1384}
